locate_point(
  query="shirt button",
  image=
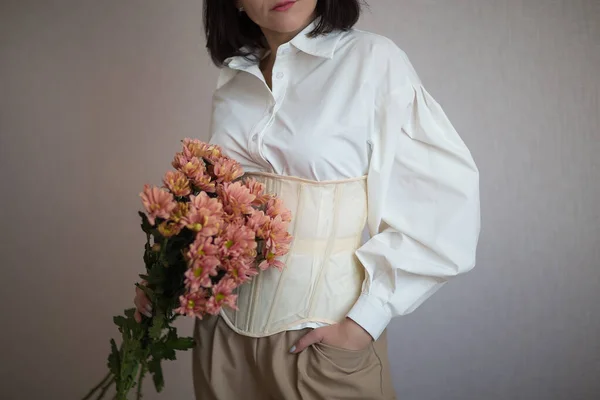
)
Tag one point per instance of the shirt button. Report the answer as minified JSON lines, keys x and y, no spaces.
{"x":254,"y":137}
{"x":280,"y":75}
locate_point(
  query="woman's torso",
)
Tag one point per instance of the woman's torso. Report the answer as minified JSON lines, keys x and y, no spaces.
{"x":317,"y":121}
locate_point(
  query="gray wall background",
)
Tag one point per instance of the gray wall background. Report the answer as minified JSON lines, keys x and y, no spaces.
{"x":94,"y":96}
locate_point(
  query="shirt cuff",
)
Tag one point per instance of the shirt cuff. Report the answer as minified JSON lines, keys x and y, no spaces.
{"x":370,"y":314}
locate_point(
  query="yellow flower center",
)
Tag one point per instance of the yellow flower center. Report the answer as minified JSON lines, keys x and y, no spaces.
{"x":229,"y":243}
{"x":198,"y":272}
{"x":195,"y":226}
{"x":220,"y":297}
{"x":191,"y":303}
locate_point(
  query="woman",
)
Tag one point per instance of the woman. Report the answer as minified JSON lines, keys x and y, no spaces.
{"x":335,"y":121}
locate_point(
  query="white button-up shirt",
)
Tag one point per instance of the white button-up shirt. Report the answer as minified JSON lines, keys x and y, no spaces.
{"x":347,"y":104}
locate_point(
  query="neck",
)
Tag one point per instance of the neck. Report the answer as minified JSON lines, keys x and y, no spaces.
{"x":276,"y":39}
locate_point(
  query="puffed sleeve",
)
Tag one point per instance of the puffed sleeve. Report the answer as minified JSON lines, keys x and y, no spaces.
{"x":423,"y":197}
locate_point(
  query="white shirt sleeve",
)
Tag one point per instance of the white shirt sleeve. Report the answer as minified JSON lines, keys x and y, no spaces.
{"x":423,"y":196}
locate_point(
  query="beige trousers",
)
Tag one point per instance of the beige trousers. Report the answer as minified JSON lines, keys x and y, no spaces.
{"x":229,"y":366}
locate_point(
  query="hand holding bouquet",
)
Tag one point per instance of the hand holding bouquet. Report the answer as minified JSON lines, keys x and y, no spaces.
{"x":208,"y":231}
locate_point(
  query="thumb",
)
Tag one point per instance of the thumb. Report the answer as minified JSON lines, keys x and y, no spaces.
{"x":312,"y":337}
{"x":137,"y":316}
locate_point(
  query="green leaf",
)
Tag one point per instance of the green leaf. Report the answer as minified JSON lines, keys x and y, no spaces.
{"x":178,"y":343}
{"x":148,"y":257}
{"x":157,"y":374}
{"x":160,"y":351}
{"x":156,"y":275}
{"x":158,"y":324}
{"x":164,"y":247}
{"x":169,"y":354}
{"x":146,"y":225}
{"x":140,"y":353}
{"x":129,"y":313}
{"x":157,"y":350}
{"x":120,"y":321}
{"x":114,"y":359}
{"x":133,"y":328}
{"x":182,"y":343}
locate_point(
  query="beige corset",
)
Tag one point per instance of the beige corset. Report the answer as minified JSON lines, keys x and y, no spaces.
{"x":322,"y":278}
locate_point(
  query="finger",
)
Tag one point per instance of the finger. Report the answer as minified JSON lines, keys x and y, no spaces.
{"x":137,"y":316}
{"x":139,"y":292}
{"x":143,"y":306}
{"x":312,"y":337}
{"x":146,"y":309}
{"x":144,"y":312}
{"x":144,"y":301}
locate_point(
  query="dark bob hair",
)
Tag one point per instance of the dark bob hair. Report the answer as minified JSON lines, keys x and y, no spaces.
{"x":229,"y":31}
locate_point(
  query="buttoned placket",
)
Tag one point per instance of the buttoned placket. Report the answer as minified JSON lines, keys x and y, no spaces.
{"x":280,"y":81}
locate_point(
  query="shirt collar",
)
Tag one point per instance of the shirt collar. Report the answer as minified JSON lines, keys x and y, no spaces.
{"x":319,"y":46}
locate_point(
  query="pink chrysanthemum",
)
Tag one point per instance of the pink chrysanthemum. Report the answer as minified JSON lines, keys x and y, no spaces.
{"x":193,"y":304}
{"x":199,"y":275}
{"x":275,"y":207}
{"x":204,"y":201}
{"x":240,"y":270}
{"x":271,"y":261}
{"x":197,"y":148}
{"x":259,"y":223}
{"x":236,"y":241}
{"x":179,"y":212}
{"x":222,"y":295}
{"x":190,"y":167}
{"x":278,"y":234}
{"x":158,"y":203}
{"x":202,"y":222}
{"x":257,"y":189}
{"x":203,"y":181}
{"x":236,"y":199}
{"x":169,"y":228}
{"x":277,"y":244}
{"x":201,"y":247}
{"x":227,"y":170}
{"x":204,"y":216}
{"x":177,"y":183}
{"x":179,"y":161}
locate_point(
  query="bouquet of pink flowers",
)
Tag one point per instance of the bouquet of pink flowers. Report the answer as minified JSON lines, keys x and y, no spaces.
{"x":208,"y":231}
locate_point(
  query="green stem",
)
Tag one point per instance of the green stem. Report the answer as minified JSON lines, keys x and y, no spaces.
{"x":98,"y":386}
{"x":105,"y":389}
{"x":138,"y":395}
